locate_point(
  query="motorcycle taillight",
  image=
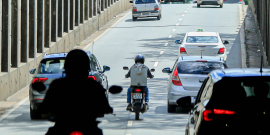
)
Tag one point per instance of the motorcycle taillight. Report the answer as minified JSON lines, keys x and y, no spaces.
{"x":76,"y":133}
{"x":138,"y":90}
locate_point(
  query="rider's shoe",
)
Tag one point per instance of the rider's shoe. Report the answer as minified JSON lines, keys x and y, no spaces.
{"x":146,"y":103}
{"x":129,"y":107}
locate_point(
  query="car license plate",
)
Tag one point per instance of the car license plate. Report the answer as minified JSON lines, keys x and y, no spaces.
{"x":193,"y":99}
{"x":137,"y":95}
{"x":145,"y":13}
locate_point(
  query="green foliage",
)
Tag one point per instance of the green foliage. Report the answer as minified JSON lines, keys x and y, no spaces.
{"x":246,"y":2}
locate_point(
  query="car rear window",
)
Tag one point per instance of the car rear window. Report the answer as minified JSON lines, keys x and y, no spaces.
{"x":51,"y":66}
{"x":202,"y":39}
{"x":144,"y":1}
{"x":192,"y":67}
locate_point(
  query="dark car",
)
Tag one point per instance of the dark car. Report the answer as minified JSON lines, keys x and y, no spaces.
{"x":50,"y":68}
{"x":231,"y":101}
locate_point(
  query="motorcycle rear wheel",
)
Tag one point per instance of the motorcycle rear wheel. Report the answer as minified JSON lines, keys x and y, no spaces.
{"x":137,"y":111}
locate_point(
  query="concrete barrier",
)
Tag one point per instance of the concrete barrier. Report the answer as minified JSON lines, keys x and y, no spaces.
{"x":31,"y":28}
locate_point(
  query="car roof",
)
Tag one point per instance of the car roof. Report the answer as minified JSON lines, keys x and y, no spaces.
{"x":237,"y":72}
{"x":194,"y":58}
{"x":202,"y":34}
{"x":60,"y":55}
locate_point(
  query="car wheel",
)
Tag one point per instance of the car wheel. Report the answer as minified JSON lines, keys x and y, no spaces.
{"x":158,"y":18}
{"x":134,"y":18}
{"x":221,"y":6}
{"x":198,"y":5}
{"x":34,"y":114}
{"x":171,"y":108}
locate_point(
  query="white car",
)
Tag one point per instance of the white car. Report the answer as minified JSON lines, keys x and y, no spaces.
{"x":202,"y":43}
{"x":187,"y":76}
{"x":210,"y":2}
{"x":146,"y":8}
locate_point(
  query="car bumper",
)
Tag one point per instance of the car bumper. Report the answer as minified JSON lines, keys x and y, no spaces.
{"x":179,"y":92}
{"x":210,"y":2}
{"x":151,"y":14}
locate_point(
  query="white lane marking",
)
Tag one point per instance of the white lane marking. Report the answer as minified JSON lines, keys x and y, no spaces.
{"x":177,"y":24}
{"x":166,"y":44}
{"x":128,"y":134}
{"x":187,"y":8}
{"x":185,"y":11}
{"x":173,"y":30}
{"x":170,"y":36}
{"x":130,"y":123}
{"x":155,"y":64}
{"x":12,"y":109}
{"x":183,"y":14}
{"x":161,"y":52}
{"x":180,"y":19}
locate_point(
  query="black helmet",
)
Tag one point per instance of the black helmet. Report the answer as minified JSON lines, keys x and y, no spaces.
{"x":77,"y":62}
{"x":139,"y":58}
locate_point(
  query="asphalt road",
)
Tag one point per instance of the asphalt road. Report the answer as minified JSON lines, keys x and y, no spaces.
{"x":155,"y":39}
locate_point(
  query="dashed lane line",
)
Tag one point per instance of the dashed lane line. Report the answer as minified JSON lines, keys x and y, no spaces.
{"x":177,"y":24}
{"x":173,"y":30}
{"x":161,"y":52}
{"x":183,"y":14}
{"x":130,"y":123}
{"x":156,"y":63}
{"x":166,"y":44}
{"x":170,"y":36}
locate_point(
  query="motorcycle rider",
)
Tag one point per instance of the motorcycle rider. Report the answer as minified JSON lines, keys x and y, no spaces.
{"x":76,"y":100}
{"x":139,"y":60}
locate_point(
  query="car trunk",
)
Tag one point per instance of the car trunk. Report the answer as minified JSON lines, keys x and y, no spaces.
{"x":208,"y":50}
{"x":192,"y":81}
{"x":146,"y":7}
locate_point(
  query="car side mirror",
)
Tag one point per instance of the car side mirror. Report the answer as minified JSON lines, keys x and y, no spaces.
{"x":38,"y":86}
{"x":106,"y":68}
{"x":130,"y":1}
{"x":166,"y":70}
{"x":32,"y":71}
{"x":178,"y":41}
{"x":125,"y":68}
{"x":115,"y":89}
{"x":226,"y":42}
{"x":152,"y":70}
{"x":184,"y":102}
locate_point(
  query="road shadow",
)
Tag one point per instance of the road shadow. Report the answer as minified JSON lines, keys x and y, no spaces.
{"x":142,"y":19}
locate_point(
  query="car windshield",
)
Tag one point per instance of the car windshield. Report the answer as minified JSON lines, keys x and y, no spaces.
{"x":144,"y":1}
{"x":193,"y":67}
{"x":51,"y":66}
{"x":202,"y":39}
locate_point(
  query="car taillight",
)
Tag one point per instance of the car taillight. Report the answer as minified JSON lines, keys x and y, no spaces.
{"x":221,"y":51}
{"x":76,"y":133}
{"x":138,"y":90}
{"x":206,"y":115}
{"x":156,"y":8}
{"x":92,"y":77}
{"x":208,"y":112}
{"x":183,"y":50}
{"x":40,"y":80}
{"x":220,"y":111}
{"x":175,"y":78}
{"x":134,"y":9}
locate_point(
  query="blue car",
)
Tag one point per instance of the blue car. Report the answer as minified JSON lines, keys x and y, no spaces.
{"x":230,"y":101}
{"x":51,"y":67}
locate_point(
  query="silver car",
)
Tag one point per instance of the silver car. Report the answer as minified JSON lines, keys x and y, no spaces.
{"x":146,"y":8}
{"x":187,"y":76}
{"x":50,"y":68}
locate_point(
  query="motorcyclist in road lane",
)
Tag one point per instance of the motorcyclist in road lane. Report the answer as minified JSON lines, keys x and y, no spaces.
{"x":76,"y":100}
{"x":139,"y":60}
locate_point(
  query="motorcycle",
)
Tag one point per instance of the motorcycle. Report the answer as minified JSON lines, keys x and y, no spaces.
{"x":138,"y":99}
{"x":39,"y":86}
